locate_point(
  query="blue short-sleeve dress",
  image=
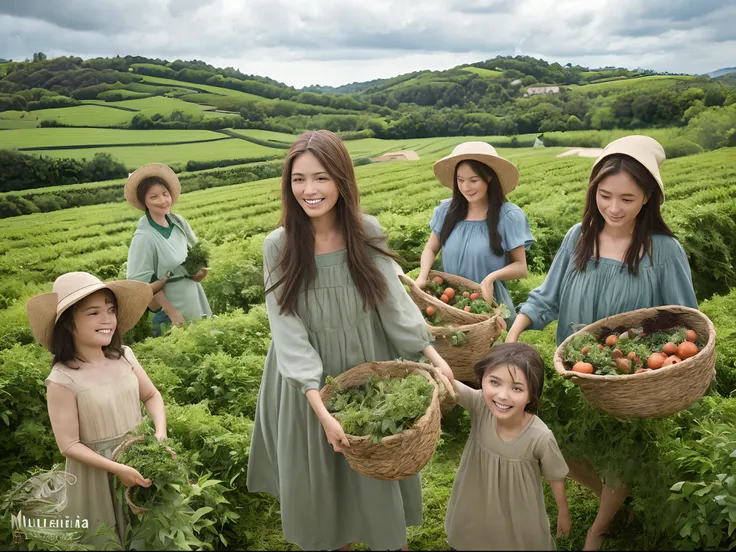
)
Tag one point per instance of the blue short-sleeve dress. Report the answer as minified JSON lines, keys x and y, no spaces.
{"x":467,"y":252}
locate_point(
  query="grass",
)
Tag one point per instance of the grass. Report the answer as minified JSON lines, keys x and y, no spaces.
{"x":205,"y":87}
{"x":650,"y":80}
{"x":267,"y":135}
{"x":605,"y":136}
{"x":157,"y":104}
{"x":85,"y":115}
{"x":136,"y":156}
{"x":44,"y":137}
{"x":483,"y":72}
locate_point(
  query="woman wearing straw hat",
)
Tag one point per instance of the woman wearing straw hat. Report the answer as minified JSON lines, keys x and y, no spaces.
{"x":95,"y":387}
{"x":622,"y":257}
{"x":483,"y":237}
{"x":159,"y":247}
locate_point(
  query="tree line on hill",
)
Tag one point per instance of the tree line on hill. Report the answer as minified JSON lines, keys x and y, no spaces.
{"x":422,"y":104}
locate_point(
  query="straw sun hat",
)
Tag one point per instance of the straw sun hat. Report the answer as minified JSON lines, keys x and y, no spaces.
{"x":158,"y":170}
{"x":44,"y":310}
{"x":508,"y":174}
{"x":644,"y":149}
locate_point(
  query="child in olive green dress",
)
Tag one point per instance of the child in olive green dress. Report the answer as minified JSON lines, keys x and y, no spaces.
{"x":497,"y":500}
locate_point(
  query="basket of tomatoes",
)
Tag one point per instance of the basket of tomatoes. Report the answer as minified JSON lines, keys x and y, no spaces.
{"x":646,"y":363}
{"x":462,"y":336}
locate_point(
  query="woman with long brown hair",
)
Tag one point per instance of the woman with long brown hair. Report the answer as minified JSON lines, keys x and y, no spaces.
{"x":333,"y":302}
{"x":483,"y":236}
{"x":622,"y":257}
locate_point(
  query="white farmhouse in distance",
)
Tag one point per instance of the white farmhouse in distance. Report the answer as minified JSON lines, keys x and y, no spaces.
{"x":533,"y":90}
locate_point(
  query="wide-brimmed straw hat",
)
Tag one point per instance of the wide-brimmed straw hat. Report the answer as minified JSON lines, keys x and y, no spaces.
{"x":645,"y":149}
{"x":508,"y":174}
{"x":159,"y":170}
{"x":44,"y":310}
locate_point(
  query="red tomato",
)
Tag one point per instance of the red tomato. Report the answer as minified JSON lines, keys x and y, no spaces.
{"x":687,"y":349}
{"x":430,"y":310}
{"x":583,"y":367}
{"x":444,"y":298}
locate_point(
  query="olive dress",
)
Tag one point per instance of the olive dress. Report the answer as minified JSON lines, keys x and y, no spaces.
{"x":324,"y":503}
{"x":497,"y":500}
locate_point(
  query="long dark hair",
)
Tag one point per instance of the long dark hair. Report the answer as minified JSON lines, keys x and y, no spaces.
{"x":459,"y":205}
{"x":649,"y":220}
{"x":297,"y":254}
{"x":522,"y":356}
{"x":62,"y":341}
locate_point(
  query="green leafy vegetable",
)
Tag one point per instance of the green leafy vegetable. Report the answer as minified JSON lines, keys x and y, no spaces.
{"x":197,"y":258}
{"x":382,"y":406}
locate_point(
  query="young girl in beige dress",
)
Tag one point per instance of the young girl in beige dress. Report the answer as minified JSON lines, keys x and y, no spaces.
{"x":95,"y":387}
{"x":497,"y":500}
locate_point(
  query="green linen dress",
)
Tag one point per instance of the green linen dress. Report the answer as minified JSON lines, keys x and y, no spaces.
{"x":497,"y":500}
{"x":152,"y":255}
{"x":577,"y":299}
{"x":324,"y":503}
{"x":108,"y":406}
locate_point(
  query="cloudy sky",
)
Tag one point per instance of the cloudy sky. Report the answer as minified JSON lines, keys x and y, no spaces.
{"x":333,"y":42}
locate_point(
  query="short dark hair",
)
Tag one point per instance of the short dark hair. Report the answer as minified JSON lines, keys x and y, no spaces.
{"x":524,"y":357}
{"x":62,"y":341}
{"x":148,"y":183}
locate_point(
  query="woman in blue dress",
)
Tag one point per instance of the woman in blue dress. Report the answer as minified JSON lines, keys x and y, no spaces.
{"x":622,"y":257}
{"x":483,"y":237}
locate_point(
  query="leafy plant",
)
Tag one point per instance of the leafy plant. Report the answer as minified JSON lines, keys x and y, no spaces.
{"x":198,"y":257}
{"x":382,"y":406}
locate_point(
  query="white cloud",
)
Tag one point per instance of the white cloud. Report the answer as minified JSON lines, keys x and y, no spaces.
{"x":333,"y":42}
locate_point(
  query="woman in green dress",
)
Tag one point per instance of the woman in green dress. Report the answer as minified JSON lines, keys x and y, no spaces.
{"x":334,"y":301}
{"x":621,"y":258}
{"x":159,"y":247}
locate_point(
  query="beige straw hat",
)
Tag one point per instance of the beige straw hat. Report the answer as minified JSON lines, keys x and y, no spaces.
{"x":159,"y":170}
{"x":644,"y":149}
{"x":508,"y":174}
{"x":44,"y":310}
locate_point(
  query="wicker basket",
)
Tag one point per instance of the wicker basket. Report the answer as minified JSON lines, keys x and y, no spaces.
{"x":480,"y":330}
{"x":447,"y":394}
{"x":396,"y":456}
{"x":652,"y":394}
{"x":125,"y":445}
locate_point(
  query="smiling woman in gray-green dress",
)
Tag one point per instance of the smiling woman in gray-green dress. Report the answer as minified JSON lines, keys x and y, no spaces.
{"x":159,"y":247}
{"x":333,"y":302}
{"x":622,"y":257}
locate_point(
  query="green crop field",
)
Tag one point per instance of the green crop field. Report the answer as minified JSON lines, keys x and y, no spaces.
{"x":47,"y":137}
{"x":156,"y":104}
{"x":216,"y":90}
{"x":84,"y":115}
{"x":136,"y":156}
{"x":194,"y":363}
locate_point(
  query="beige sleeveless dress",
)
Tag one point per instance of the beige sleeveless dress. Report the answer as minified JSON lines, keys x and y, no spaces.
{"x":108,"y":406}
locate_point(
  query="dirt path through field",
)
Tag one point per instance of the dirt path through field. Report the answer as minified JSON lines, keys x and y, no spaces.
{"x":582,"y":152}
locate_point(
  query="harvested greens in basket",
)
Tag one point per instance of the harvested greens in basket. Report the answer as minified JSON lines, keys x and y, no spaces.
{"x":197,"y":258}
{"x":154,"y":462}
{"x":658,"y":343}
{"x":382,"y":406}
